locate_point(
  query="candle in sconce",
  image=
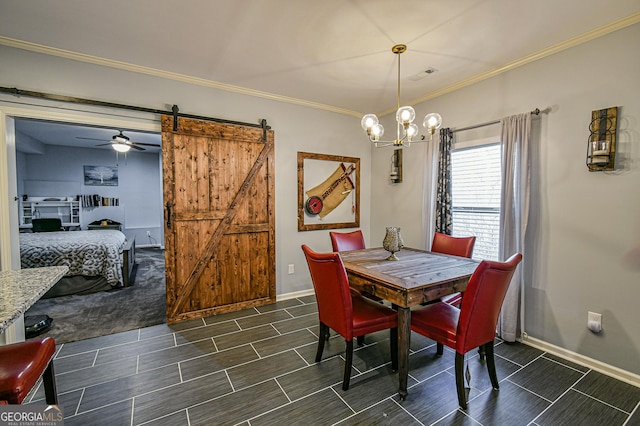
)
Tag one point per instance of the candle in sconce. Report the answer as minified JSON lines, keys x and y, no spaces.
{"x":600,"y":148}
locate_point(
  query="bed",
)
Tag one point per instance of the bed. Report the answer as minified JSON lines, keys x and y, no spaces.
{"x":94,"y":258}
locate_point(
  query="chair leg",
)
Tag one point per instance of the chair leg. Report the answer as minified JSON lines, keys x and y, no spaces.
{"x":394,"y":348}
{"x":49,"y":381}
{"x":462,"y":393}
{"x":491,"y":365}
{"x":439,"y":349}
{"x":347,"y":365}
{"x":324,"y":332}
{"x":360,"y":340}
{"x":481,"y":352}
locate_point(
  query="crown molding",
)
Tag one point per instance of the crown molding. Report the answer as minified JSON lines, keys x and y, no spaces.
{"x":551,"y":50}
{"x":80,"y":57}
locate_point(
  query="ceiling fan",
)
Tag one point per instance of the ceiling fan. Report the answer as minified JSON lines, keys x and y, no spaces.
{"x":122,"y":143}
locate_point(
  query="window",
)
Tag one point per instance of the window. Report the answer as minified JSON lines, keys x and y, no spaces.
{"x":476,"y":189}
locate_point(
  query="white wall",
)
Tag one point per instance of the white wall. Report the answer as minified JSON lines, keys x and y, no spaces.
{"x":296,"y":129}
{"x":583,"y":245}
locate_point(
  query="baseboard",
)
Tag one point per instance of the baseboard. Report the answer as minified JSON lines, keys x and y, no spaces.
{"x":609,"y":370}
{"x":294,"y":294}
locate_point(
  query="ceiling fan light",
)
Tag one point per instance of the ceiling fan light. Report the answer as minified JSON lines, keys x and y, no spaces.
{"x":120,"y":147}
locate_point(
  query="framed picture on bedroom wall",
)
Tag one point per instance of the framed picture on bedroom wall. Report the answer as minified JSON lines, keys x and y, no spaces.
{"x":328,"y":191}
{"x":100,"y":176}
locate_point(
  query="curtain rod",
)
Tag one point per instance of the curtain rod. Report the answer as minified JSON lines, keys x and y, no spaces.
{"x":174,"y":111}
{"x":489,"y":123}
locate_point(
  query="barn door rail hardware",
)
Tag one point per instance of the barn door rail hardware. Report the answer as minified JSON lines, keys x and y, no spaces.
{"x":174,"y":109}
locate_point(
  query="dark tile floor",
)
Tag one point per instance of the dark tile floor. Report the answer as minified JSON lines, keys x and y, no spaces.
{"x":256,"y":367}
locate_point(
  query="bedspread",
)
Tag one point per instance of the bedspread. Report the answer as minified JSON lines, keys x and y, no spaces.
{"x":87,"y":253}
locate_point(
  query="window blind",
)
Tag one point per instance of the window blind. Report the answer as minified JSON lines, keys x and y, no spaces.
{"x":476,"y":190}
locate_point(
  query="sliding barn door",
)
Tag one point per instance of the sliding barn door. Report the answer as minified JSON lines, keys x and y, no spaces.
{"x":219,"y":217}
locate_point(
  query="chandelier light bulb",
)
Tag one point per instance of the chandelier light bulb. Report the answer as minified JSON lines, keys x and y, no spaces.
{"x":377,"y":131}
{"x":432,"y":122}
{"x":412,"y":131}
{"x":405,"y":115}
{"x":368,"y":122}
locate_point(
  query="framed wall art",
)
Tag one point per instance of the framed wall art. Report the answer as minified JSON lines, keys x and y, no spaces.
{"x":328,"y":191}
{"x":100,"y":175}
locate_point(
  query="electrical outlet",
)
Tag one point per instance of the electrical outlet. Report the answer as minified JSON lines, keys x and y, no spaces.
{"x":291,"y":268}
{"x":594,"y":321}
{"x":149,"y":234}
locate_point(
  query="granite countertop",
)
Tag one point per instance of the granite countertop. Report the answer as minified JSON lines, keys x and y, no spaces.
{"x":20,"y":289}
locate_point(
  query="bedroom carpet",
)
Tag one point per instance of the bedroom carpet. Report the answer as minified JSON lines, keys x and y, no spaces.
{"x":80,"y":317}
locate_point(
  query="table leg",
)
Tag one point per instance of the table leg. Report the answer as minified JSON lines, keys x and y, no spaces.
{"x":404,"y":341}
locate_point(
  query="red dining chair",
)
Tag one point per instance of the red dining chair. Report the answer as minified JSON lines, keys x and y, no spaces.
{"x":22,"y":364}
{"x":348,"y":314}
{"x":474,"y":324}
{"x":456,"y":246}
{"x":345,"y":241}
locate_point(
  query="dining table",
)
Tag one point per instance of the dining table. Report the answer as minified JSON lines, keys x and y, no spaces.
{"x":417,"y":277}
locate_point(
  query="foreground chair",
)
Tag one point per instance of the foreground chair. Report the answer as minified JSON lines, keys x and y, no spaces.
{"x":22,"y":364}
{"x":474,"y":324}
{"x":349,"y":314}
{"x":456,"y":246}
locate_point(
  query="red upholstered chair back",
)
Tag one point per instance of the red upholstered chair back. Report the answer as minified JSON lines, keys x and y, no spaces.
{"x":482,"y":302}
{"x":330,"y":282}
{"x":345,"y":241}
{"x":456,"y":246}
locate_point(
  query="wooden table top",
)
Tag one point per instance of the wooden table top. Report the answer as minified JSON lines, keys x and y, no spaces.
{"x":416,"y":277}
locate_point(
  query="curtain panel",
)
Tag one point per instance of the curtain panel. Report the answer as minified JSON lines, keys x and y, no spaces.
{"x":443,"y":186}
{"x":514,"y":215}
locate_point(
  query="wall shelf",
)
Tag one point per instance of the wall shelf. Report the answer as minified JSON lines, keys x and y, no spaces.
{"x":67,"y":209}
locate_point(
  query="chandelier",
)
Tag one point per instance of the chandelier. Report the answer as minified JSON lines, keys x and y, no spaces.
{"x":406,"y":130}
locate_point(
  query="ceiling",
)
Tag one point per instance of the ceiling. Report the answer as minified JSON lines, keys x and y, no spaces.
{"x":330,"y":54}
{"x":75,"y":135}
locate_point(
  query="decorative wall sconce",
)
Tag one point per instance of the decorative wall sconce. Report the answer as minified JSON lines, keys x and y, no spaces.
{"x":396,"y":166}
{"x":601,"y":148}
